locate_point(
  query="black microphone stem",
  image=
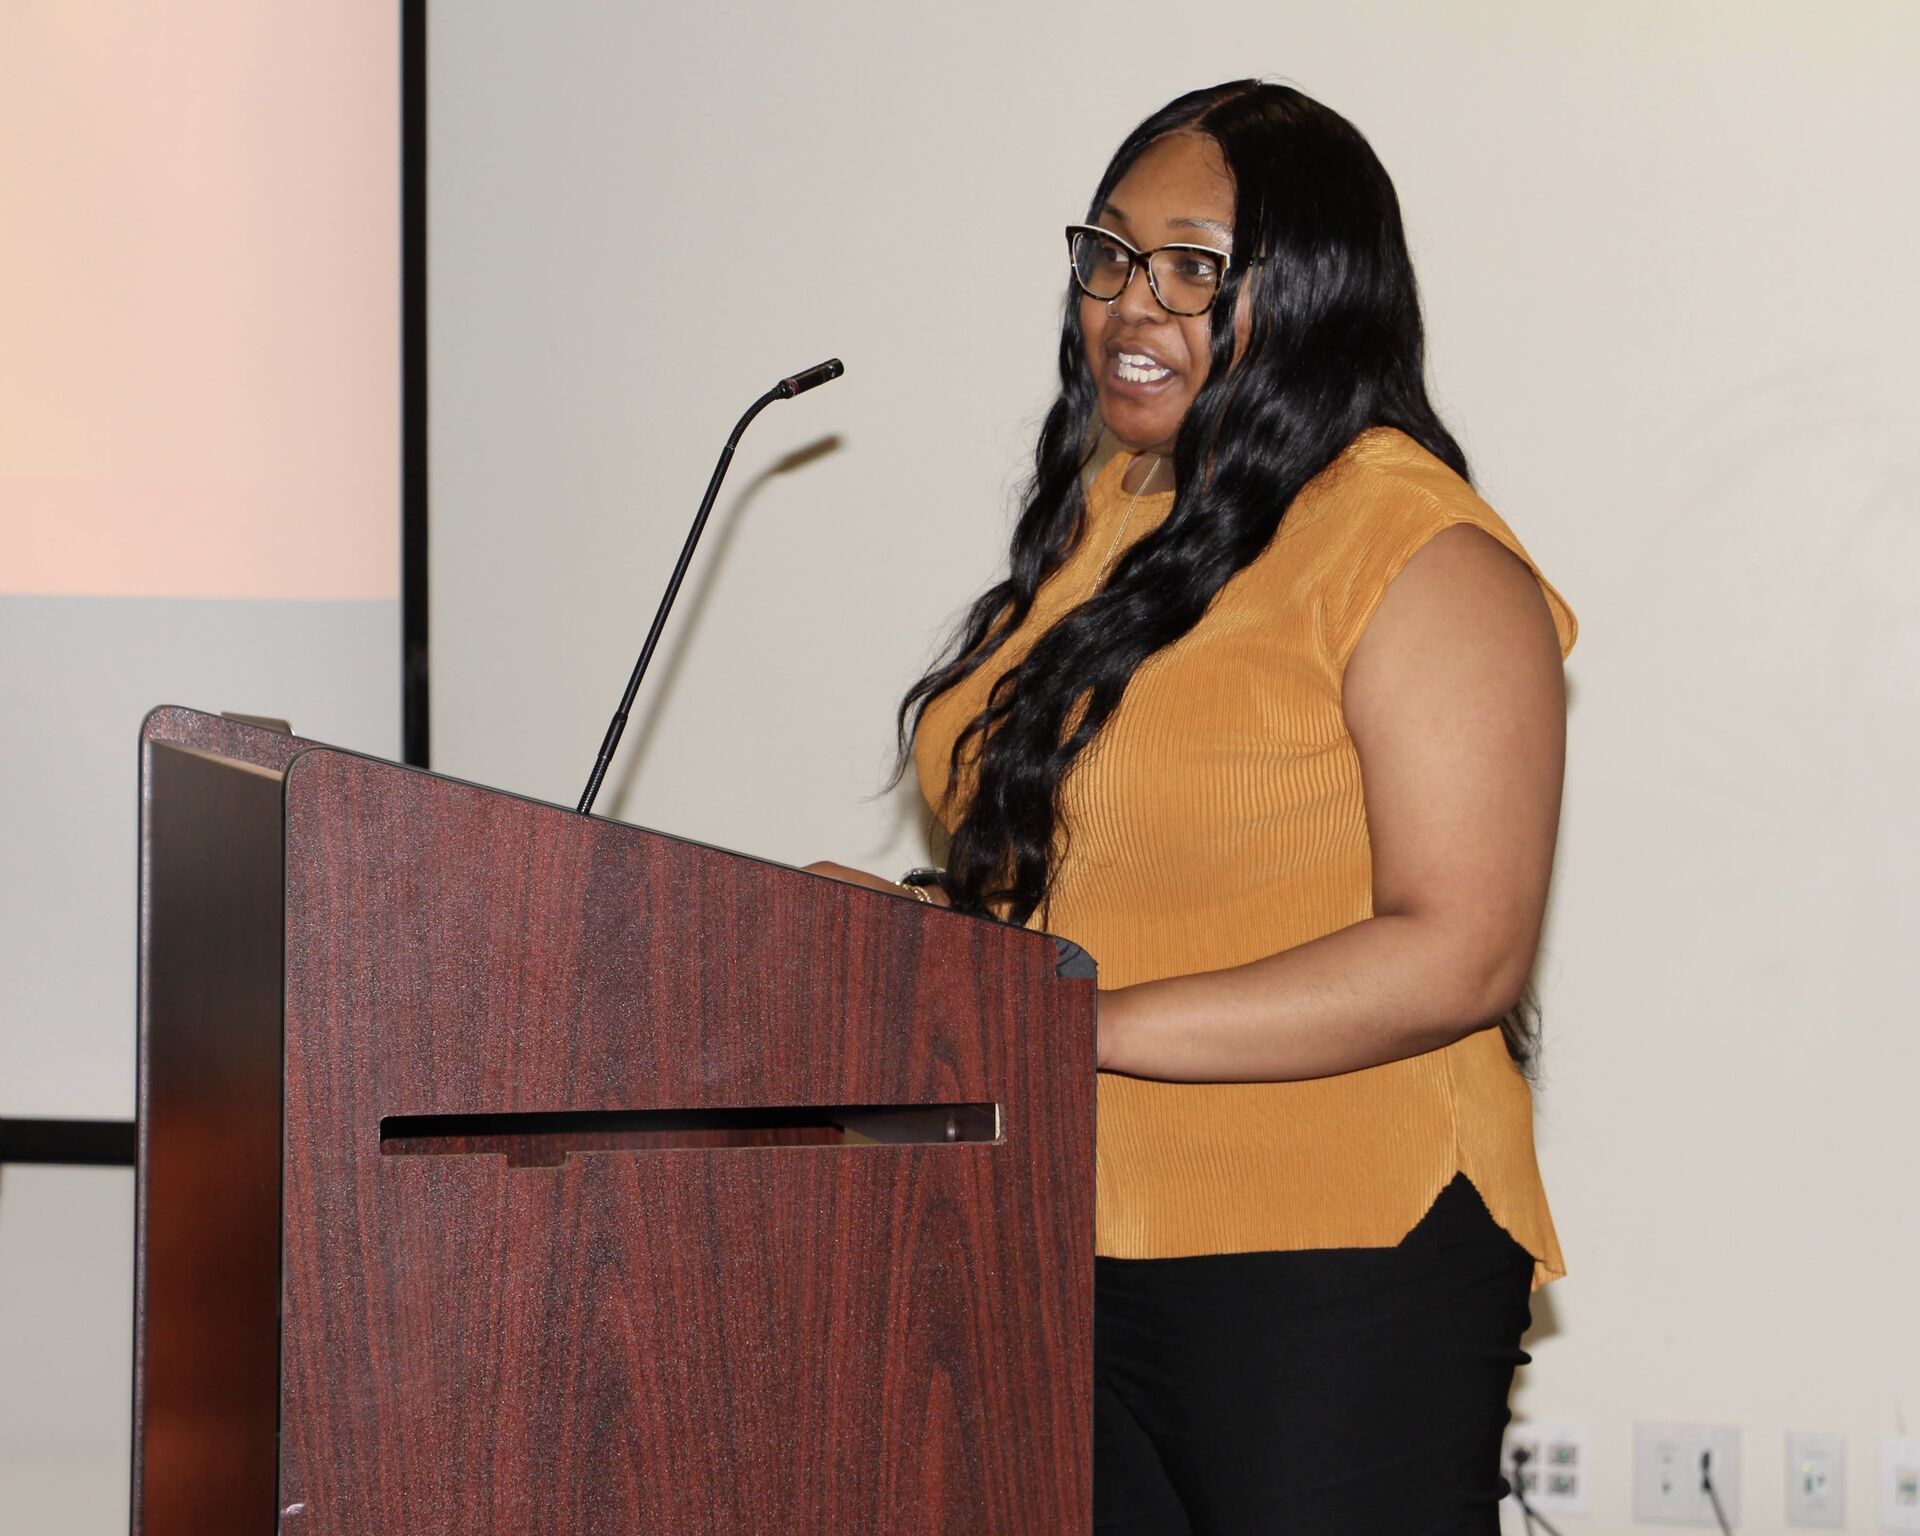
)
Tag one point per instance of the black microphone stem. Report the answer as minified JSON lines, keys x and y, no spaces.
{"x":618,"y":723}
{"x":786,"y":389}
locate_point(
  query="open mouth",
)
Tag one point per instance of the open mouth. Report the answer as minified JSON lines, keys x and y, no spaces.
{"x":1138,"y":368}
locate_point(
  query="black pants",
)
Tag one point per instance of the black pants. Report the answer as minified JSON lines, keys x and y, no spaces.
{"x":1333,"y":1392}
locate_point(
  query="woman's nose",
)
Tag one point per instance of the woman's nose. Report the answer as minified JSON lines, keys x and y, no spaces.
{"x":1136,"y":301}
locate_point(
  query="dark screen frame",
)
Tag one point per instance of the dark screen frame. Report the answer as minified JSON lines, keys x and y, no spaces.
{"x":415,"y":714}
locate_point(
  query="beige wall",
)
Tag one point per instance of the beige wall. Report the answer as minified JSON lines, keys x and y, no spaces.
{"x":1669,"y":261}
{"x":66,"y":1349}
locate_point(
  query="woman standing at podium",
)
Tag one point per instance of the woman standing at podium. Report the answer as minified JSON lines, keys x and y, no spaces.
{"x":1268,"y":716}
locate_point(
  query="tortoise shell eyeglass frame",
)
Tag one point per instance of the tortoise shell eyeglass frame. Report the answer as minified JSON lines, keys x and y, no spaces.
{"x":1144,"y":259}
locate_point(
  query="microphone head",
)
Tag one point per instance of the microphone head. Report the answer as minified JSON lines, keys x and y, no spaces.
{"x":819,"y":373}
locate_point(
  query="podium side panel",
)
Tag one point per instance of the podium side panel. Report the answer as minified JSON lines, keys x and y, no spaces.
{"x":206,"y":1286}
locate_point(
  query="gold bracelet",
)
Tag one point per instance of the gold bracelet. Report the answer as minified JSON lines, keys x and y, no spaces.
{"x":916,"y":892}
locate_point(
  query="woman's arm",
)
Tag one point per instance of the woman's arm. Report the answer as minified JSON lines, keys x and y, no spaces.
{"x":1456,"y":703}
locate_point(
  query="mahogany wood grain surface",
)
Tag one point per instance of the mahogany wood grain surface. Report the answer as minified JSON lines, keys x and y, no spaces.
{"x":822,"y":1337}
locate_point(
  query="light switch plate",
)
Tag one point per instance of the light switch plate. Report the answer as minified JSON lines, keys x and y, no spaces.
{"x":1666,"y":1473}
{"x":1900,"y":1484}
{"x":1817,"y":1481}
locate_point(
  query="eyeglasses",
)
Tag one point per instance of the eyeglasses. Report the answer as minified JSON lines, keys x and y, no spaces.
{"x":1185,"y":279}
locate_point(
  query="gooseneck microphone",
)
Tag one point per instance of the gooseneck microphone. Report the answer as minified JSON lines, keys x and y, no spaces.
{"x":806,"y":379}
{"x":786,"y":389}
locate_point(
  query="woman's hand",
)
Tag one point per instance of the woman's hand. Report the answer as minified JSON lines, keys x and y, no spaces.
{"x":935,"y":896}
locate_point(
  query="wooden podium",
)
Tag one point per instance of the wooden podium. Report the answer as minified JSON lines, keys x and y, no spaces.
{"x":507,"y":1170}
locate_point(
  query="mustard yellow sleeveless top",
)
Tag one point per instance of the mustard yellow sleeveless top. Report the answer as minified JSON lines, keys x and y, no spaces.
{"x":1219,"y":819}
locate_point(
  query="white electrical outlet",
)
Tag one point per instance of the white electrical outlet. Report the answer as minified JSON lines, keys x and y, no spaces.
{"x":1817,"y":1481}
{"x":1557,"y":1472}
{"x":1667,"y":1486}
{"x":1900,"y":1484}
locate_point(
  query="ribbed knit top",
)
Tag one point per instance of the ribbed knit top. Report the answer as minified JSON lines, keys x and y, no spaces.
{"x":1218,"y":819}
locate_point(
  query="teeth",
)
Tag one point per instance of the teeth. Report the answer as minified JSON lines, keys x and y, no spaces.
{"x":1136,"y":368}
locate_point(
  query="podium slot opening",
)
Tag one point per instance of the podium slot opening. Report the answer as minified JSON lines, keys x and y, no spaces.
{"x":547,"y":1139}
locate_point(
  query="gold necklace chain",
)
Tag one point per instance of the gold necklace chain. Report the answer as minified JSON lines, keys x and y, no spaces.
{"x":1125,"y":518}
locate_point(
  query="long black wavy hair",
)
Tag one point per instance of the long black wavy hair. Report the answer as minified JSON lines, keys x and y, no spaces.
{"x":1334,"y":346}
